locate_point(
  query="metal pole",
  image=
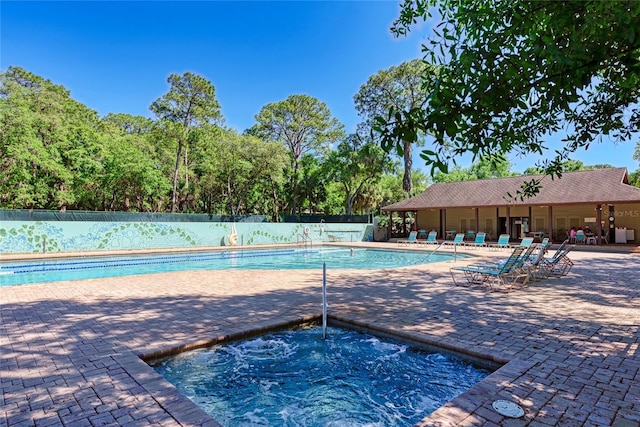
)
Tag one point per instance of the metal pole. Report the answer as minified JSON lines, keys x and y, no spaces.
{"x":324,"y":300}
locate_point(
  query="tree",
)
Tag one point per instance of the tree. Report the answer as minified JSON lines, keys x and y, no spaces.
{"x":132,"y":167}
{"x":399,"y":89}
{"x":313,"y":183}
{"x":129,"y":124}
{"x":496,"y":166}
{"x":238,"y":174}
{"x":304,"y":125}
{"x":190,"y":102}
{"x":357,"y":164}
{"x":49,"y":144}
{"x":568,"y":166}
{"x":514,"y":73}
{"x":634,"y":178}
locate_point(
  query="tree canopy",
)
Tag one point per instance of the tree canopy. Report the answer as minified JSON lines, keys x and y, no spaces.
{"x":514,"y":73}
{"x":56,"y":153}
{"x":485,"y":168}
{"x":357,"y":164}
{"x":190,"y":102}
{"x":399,"y":89}
{"x":301,"y":123}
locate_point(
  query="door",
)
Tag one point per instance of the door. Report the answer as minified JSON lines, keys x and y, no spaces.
{"x":519,"y":227}
{"x":502,"y":226}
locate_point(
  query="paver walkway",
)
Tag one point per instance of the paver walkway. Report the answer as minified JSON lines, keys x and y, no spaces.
{"x":69,"y":351}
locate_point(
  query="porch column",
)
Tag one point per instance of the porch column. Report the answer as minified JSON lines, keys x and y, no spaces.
{"x":612,"y":224}
{"x":599,"y":224}
{"x":443,"y":223}
{"x":509,"y":221}
{"x":477,"y":220}
{"x":550,"y":224}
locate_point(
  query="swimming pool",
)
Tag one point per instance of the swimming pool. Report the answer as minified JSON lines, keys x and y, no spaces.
{"x":55,"y":270}
{"x":295,"y":378}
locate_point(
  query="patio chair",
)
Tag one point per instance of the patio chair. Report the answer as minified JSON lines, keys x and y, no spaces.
{"x":505,"y":274}
{"x":533,"y":264}
{"x":545,"y":243}
{"x":559,"y":264}
{"x":458,"y":240}
{"x":411,"y":239}
{"x":526,"y":242}
{"x":431,"y":239}
{"x":479,"y":241}
{"x":503,"y":242}
{"x":527,"y":257}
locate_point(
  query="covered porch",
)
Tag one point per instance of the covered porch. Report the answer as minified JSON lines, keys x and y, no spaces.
{"x":609,"y":212}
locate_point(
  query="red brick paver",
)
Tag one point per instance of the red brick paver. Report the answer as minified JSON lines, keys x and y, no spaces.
{"x":70,"y":350}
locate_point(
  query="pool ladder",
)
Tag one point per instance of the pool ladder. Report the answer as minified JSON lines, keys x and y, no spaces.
{"x":306,"y":239}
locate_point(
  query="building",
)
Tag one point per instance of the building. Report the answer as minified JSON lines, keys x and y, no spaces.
{"x":601,"y":198}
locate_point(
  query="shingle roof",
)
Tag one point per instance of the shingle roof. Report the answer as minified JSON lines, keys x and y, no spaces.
{"x":599,"y":186}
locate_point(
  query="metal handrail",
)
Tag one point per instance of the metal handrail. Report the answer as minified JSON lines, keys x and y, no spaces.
{"x":306,"y":240}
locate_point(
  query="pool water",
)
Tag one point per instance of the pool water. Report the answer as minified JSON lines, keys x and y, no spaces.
{"x":54,"y":270}
{"x":296,"y":378}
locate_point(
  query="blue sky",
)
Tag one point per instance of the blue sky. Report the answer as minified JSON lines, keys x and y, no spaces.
{"x":116,"y":56}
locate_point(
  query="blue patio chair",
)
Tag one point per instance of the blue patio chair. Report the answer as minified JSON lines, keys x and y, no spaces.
{"x":411,"y":239}
{"x":559,"y":264}
{"x":431,"y":239}
{"x":527,"y":257}
{"x":526,"y":242}
{"x":479,"y":241}
{"x":545,"y":243}
{"x":534,"y":264}
{"x":505,"y":274}
{"x":503,"y":242}
{"x":458,"y":240}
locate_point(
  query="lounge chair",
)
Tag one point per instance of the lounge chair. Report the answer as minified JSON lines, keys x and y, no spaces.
{"x":411,"y":239}
{"x":505,"y":274}
{"x":479,"y":241}
{"x":526,"y":242}
{"x":527,"y":257}
{"x":534,"y":266}
{"x":431,"y":239}
{"x":503,"y":242}
{"x":545,"y":243}
{"x":458,"y":240}
{"x":559,"y":264}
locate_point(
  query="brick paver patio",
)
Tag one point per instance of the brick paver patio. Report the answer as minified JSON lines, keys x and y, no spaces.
{"x":70,"y":350}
